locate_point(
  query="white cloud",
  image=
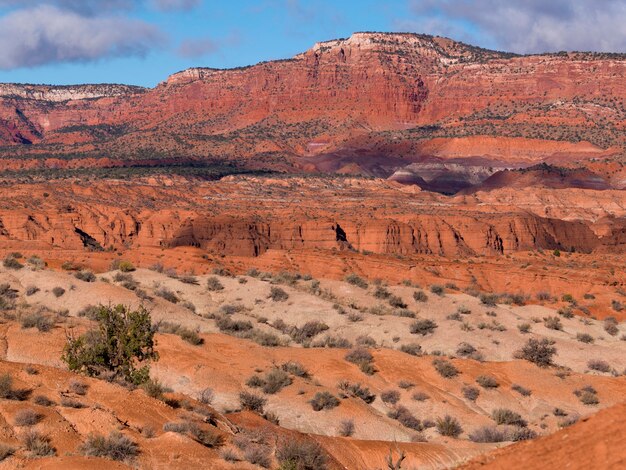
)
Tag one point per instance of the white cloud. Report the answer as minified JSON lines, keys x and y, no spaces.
{"x":46,"y":34}
{"x":532,"y":25}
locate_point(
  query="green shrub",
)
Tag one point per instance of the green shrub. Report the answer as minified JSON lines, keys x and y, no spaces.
{"x":123,"y":341}
{"x":190,"y":336}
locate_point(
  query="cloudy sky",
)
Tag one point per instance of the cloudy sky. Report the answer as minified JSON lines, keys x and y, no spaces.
{"x":142,"y":41}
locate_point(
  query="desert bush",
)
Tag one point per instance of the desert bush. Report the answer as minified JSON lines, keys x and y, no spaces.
{"x":487,"y":381}
{"x":413,"y":349}
{"x":610,"y":326}
{"x":356,"y":390}
{"x":190,"y":336}
{"x":32,"y":290}
{"x":397,"y":302}
{"x":206,"y":437}
{"x":422,"y":327}
{"x":42,"y":401}
{"x":553,"y":323}
{"x":449,"y":426}
{"x":252,"y":402}
{"x":324,"y":401}
{"x":180,"y":427}
{"x":58,"y":291}
{"x":420,"y":396}
{"x":437,"y":290}
{"x":332,"y":342}
{"x":524,"y":327}
{"x":206,"y":396}
{"x":6,"y":451}
{"x":420,"y":296}
{"x":258,"y":455}
{"x":167,"y":294}
{"x":366,"y":341}
{"x":587,"y":395}
{"x":355,"y":280}
{"x":617,"y":305}
{"x":355,"y":317}
{"x":445,"y":368}
{"x":189,"y":279}
{"x":154,"y":389}
{"x":308,"y":331}
{"x":277,"y":294}
{"x":390,"y":397}
{"x":37,"y":320}
{"x":471,"y":393}
{"x":226,"y":324}
{"x":86,"y":276}
{"x":403,"y":312}
{"x":124,"y":266}
{"x":359,"y":356}
{"x":489,"y":434}
{"x":10,"y":262}
{"x":77,"y":387}
{"x":71,"y":403}
{"x":8,"y":392}
{"x":522,"y":434}
{"x":115,"y":447}
{"x":584,"y":338}
{"x":537,"y":351}
{"x":275,"y":380}
{"x":295,"y":368}
{"x":123,"y":342}
{"x":27,"y":417}
{"x":505,"y":416}
{"x":465,"y":350}
{"x":346,"y":427}
{"x":406,"y":418}
{"x":213,"y":284}
{"x":38,"y":444}
{"x":489,"y":299}
{"x":521,"y":390}
{"x":405,"y":384}
{"x":381,"y":292}
{"x":543,"y":296}
{"x":295,"y":454}
{"x":599,"y":365}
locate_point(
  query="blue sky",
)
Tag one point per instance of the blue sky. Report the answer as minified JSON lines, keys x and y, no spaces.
{"x":143,"y":41}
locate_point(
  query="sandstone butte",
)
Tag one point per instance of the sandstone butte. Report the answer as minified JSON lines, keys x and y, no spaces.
{"x":417,"y":161}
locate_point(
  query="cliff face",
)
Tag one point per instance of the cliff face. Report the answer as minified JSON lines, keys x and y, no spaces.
{"x":373,"y":94}
{"x":247,"y":217}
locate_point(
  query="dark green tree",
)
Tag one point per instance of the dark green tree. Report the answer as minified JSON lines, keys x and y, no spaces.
{"x":122,"y":345}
